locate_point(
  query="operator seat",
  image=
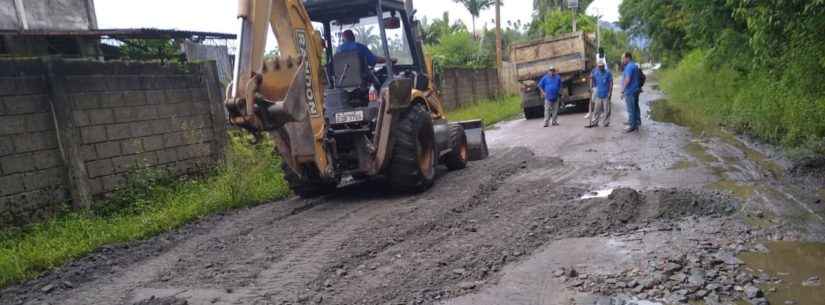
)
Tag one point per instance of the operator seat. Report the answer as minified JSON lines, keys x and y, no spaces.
{"x":351,"y":72}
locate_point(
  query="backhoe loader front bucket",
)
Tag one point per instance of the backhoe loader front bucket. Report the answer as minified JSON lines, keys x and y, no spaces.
{"x":476,"y":139}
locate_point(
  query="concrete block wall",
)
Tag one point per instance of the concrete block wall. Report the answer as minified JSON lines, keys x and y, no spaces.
{"x":87,"y":125}
{"x":465,"y":86}
{"x":32,"y":172}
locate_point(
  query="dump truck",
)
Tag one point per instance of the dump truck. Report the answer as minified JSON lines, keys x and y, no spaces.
{"x":336,"y":116}
{"x":573,"y":55}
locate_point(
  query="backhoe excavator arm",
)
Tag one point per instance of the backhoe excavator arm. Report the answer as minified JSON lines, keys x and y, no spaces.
{"x":282,"y":95}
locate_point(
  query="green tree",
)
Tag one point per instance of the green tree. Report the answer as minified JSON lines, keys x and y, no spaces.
{"x":475,"y":7}
{"x":366,"y":36}
{"x":164,"y":50}
{"x":431,"y":32}
{"x":557,"y":22}
{"x":542,"y":7}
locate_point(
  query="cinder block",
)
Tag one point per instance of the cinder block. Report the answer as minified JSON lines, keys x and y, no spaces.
{"x":35,"y":141}
{"x":101,"y":116}
{"x":85,"y":84}
{"x":200,"y":150}
{"x":108,"y":149}
{"x":134,"y":98}
{"x":11,"y":184}
{"x":6,"y":146}
{"x":125,"y":163}
{"x":185,"y":152}
{"x":176,"y":96}
{"x":155,"y":97}
{"x":123,"y":83}
{"x":113,"y":182}
{"x":153,"y":143}
{"x":125,"y":114}
{"x":95,"y":186}
{"x":13,"y":124}
{"x":167,"y":156}
{"x":145,"y":113}
{"x":118,"y":131}
{"x":81,"y":118}
{"x":148,"y":159}
{"x":112,"y":100}
{"x":47,"y":159}
{"x":144,"y":128}
{"x":99,"y":168}
{"x":131,"y":146}
{"x":173,"y":139}
{"x":39,"y":121}
{"x":93,"y":134}
{"x":17,"y":163}
{"x":167,"y":110}
{"x":85,"y":101}
{"x":43,"y":179}
{"x":26,"y":104}
{"x":87,"y":153}
{"x":199,"y":95}
{"x":163,"y":126}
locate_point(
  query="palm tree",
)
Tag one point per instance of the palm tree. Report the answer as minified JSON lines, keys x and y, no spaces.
{"x":475,"y":7}
{"x":365,"y":36}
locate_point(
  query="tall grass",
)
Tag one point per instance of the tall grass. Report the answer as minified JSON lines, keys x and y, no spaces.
{"x":151,"y":204}
{"x":773,"y":107}
{"x":489,"y":111}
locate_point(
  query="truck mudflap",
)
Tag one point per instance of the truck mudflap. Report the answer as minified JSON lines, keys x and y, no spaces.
{"x":476,"y":139}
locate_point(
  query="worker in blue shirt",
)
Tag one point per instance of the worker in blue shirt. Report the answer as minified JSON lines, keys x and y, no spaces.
{"x":631,"y":87}
{"x":351,"y":45}
{"x":602,"y":82}
{"x":550,"y":88}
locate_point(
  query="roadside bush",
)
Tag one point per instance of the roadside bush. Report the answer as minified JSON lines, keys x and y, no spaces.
{"x":774,"y":105}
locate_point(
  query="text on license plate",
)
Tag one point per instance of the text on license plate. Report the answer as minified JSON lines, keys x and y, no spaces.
{"x":349,"y":116}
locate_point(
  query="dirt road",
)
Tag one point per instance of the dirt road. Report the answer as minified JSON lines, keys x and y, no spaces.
{"x":521,"y":227}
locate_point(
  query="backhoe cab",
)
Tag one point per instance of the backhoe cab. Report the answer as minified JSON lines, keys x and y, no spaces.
{"x":337,"y":115}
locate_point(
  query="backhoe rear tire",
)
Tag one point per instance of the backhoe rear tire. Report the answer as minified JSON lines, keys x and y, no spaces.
{"x":459,"y":153}
{"x":412,"y":165}
{"x":305,"y":188}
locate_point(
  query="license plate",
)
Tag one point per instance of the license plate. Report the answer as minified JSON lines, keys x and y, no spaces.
{"x":349,"y":117}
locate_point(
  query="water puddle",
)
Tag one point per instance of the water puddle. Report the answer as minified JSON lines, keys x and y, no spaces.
{"x":801,"y":266}
{"x":597,"y":194}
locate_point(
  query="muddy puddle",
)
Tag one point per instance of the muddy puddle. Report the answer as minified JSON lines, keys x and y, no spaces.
{"x":800,"y":266}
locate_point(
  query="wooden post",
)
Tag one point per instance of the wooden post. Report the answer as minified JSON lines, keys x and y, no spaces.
{"x":498,"y":34}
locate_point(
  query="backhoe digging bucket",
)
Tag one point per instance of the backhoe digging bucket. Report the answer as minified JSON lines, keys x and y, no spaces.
{"x":476,"y":140}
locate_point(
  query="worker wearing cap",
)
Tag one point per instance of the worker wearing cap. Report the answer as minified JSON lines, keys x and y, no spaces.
{"x":602,"y":82}
{"x":550,"y":87}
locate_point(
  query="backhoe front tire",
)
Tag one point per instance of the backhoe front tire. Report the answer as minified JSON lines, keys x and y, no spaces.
{"x":459,"y":153}
{"x":412,"y":165}
{"x":305,"y":188}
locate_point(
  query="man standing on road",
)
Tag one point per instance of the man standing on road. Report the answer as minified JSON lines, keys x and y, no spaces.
{"x":550,"y":87}
{"x":631,"y":87}
{"x":602,"y":82}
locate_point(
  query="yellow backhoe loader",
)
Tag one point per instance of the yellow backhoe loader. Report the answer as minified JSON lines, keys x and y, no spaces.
{"x":335,"y":118}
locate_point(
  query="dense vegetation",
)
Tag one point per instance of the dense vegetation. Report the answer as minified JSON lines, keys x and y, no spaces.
{"x":753,"y":66}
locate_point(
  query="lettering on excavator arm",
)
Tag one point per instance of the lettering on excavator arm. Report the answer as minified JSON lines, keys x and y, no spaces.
{"x":301,"y":40}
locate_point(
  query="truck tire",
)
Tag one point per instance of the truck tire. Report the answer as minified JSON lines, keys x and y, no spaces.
{"x":305,"y":188}
{"x":412,"y":163}
{"x":534,"y":112}
{"x":459,"y":153}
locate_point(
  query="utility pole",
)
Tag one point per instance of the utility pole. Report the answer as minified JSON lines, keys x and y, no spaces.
{"x":574,"y":6}
{"x":498,"y":35}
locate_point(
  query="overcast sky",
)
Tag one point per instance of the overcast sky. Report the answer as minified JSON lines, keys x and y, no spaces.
{"x":219,"y":15}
